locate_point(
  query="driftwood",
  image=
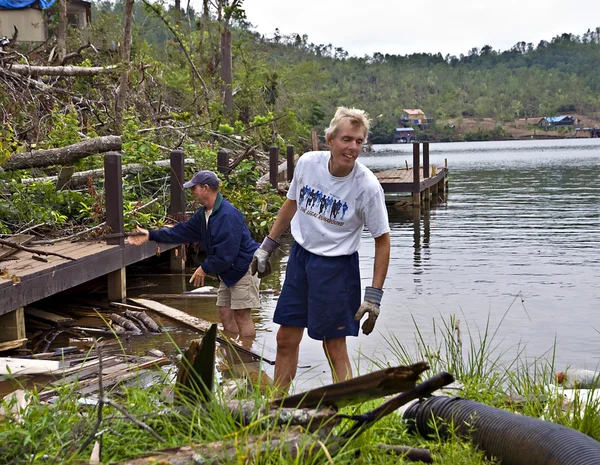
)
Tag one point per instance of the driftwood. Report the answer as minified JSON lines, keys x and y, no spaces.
{"x":81,"y":178}
{"x":125,"y":323}
{"x":26,"y":70}
{"x":144,"y":320}
{"x":64,"y":155}
{"x":367,"y":387}
{"x":37,"y":251}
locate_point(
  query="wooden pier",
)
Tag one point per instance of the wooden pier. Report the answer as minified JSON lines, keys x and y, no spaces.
{"x":27,"y":277}
{"x":425,"y":183}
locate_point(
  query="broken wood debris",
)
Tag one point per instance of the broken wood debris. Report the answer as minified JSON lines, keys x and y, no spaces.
{"x":201,"y":325}
{"x":34,"y":251}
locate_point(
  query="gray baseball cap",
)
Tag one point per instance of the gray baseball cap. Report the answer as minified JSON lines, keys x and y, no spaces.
{"x":203,"y":177}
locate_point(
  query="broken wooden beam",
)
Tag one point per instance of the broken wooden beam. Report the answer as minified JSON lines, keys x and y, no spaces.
{"x":362,"y":388}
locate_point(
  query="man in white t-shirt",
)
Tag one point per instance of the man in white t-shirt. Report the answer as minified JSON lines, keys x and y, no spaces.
{"x":330,"y":200}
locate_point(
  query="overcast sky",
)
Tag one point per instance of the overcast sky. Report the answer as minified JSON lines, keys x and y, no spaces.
{"x":430,"y":26}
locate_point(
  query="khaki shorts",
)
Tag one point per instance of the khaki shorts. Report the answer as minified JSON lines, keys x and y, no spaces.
{"x":243,"y":294}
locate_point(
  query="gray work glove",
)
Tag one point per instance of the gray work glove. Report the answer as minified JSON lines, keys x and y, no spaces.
{"x":261,"y":263}
{"x":371,"y":306}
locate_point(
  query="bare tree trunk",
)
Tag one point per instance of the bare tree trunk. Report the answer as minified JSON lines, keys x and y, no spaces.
{"x":125,"y":58}
{"x":227,"y":70}
{"x":61,"y":40}
{"x":63,"y":155}
{"x":26,"y":70}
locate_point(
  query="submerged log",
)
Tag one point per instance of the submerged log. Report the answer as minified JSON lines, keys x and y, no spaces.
{"x":367,"y":387}
{"x":125,"y":323}
{"x":143,"y":319}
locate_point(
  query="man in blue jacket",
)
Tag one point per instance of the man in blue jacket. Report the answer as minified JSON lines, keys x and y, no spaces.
{"x":221,"y":230}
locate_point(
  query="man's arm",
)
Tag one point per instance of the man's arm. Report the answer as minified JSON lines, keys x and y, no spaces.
{"x":284,"y":218}
{"x":382,"y":260}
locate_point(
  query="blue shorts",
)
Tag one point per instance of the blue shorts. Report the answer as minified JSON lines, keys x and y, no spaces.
{"x":321,"y":294}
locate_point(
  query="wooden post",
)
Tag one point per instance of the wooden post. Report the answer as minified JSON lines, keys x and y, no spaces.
{"x":290,"y":162}
{"x":425,"y":160}
{"x":12,"y":326}
{"x":223,"y":162}
{"x":416,"y":176}
{"x":434,"y":193}
{"x":315,"y":140}
{"x":177,"y":207}
{"x":446,"y":178}
{"x":273,"y":166}
{"x":113,"y":193}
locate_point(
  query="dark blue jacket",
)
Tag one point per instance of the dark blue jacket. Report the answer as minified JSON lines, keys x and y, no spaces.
{"x":227,"y":242}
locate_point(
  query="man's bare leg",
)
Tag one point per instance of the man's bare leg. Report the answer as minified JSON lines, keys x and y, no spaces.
{"x":244,"y":322}
{"x":228,"y":319}
{"x":286,"y":360}
{"x":337,"y":353}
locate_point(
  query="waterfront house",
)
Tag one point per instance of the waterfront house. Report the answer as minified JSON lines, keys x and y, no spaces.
{"x":552,"y":121}
{"x":414,"y":116}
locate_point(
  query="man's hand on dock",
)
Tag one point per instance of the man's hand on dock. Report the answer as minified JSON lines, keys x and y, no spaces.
{"x":138,"y":240}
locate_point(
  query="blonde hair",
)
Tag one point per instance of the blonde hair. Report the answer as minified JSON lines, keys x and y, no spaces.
{"x":354,"y":116}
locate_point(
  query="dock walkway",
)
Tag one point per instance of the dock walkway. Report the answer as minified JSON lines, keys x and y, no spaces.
{"x":26,"y":277}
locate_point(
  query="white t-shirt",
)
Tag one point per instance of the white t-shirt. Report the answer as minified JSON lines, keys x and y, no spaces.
{"x":332,"y":211}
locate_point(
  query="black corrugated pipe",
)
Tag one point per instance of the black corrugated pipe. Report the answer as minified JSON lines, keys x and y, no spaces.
{"x":512,"y":438}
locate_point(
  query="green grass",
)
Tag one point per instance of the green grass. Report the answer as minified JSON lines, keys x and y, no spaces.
{"x":54,"y":433}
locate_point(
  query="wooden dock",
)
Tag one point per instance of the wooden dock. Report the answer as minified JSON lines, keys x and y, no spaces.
{"x":426,"y":184}
{"x":27,"y":277}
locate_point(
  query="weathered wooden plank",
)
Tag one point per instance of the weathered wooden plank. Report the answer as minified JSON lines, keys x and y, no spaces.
{"x":173,"y":313}
{"x":49,"y":316}
{"x":9,"y":345}
{"x":49,"y":281}
{"x":27,"y":366}
{"x":12,"y":325}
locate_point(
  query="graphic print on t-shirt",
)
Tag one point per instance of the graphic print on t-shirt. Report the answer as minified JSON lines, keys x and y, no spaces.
{"x":319,"y":203}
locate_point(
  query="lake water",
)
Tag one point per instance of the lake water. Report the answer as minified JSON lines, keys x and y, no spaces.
{"x":516,"y":244}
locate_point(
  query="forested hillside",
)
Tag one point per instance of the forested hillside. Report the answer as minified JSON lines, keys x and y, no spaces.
{"x":161,"y":77}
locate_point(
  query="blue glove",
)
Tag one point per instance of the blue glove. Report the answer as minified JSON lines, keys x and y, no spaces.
{"x":371,"y":306}
{"x":261,"y":263}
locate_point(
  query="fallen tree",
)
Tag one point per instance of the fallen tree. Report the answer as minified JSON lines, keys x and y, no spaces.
{"x":27,"y":70}
{"x":63,"y":155}
{"x":81,"y":178}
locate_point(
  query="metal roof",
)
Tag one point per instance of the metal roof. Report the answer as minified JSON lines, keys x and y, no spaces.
{"x":555,"y":119}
